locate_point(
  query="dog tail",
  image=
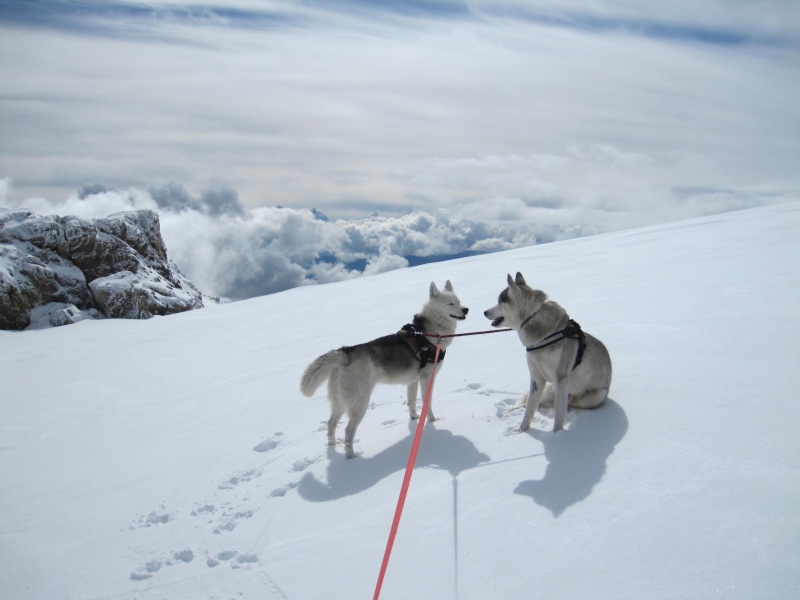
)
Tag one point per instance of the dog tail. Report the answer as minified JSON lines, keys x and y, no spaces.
{"x":318,"y":371}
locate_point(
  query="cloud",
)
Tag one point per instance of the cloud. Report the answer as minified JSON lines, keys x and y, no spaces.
{"x":353,"y":106}
{"x":233,"y":252}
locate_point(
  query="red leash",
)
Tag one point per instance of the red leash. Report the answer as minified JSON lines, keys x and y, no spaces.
{"x":412,"y":457}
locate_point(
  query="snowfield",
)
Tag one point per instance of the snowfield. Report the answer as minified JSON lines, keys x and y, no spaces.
{"x":175,"y":458}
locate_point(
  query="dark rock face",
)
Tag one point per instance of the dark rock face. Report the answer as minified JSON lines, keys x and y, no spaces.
{"x":63,"y":269}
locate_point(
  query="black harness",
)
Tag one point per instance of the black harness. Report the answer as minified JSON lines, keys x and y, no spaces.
{"x":572,"y":331}
{"x":424,"y":350}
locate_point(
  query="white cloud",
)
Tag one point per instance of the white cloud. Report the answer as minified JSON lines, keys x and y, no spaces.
{"x":230,"y":251}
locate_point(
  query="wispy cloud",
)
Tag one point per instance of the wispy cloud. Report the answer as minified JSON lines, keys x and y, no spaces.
{"x":145,"y":21}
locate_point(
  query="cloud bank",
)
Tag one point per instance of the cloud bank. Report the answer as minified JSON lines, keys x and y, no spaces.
{"x":235,"y":252}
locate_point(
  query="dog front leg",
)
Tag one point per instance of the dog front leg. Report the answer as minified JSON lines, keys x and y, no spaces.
{"x":561,"y":402}
{"x":411,"y":395}
{"x":430,"y":400}
{"x":534,"y":395}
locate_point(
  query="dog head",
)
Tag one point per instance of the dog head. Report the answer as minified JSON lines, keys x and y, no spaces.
{"x":446,"y":303}
{"x":515,"y":303}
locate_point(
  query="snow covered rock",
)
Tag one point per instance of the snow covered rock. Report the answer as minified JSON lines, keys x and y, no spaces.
{"x":58,"y":270}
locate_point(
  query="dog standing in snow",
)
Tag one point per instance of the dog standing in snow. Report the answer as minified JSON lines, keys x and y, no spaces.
{"x":567,"y":366}
{"x":405,"y":357}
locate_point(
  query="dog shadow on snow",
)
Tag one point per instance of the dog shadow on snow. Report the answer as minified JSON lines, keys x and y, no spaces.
{"x":439,"y":449}
{"x":576,"y":458}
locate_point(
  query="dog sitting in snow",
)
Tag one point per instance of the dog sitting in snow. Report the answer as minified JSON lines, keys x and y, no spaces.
{"x":404,"y":357}
{"x":567,"y":366}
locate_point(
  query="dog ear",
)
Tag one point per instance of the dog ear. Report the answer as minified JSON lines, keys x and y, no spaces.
{"x":520,"y":280}
{"x":434,"y":290}
{"x":512,"y":285}
{"x":448,"y":287}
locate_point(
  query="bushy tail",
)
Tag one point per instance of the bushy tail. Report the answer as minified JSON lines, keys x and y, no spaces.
{"x":318,"y":371}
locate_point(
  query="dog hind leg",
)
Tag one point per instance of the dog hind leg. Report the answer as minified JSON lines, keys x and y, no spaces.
{"x":355,"y":414}
{"x":589,"y":399}
{"x":336,"y":406}
{"x":411,"y":395}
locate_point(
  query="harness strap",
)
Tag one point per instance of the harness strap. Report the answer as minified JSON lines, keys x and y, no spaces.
{"x":572,"y":331}
{"x":424,"y":350}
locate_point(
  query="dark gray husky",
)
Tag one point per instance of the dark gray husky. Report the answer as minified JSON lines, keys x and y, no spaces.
{"x":405,"y":357}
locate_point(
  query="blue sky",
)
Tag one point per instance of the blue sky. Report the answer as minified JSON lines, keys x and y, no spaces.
{"x":468,"y":126}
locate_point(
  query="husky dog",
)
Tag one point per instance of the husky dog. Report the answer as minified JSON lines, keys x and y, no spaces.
{"x":404,"y":357}
{"x":574,"y":366}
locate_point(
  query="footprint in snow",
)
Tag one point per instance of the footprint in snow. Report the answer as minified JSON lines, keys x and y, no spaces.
{"x":505,"y":408}
{"x":232,"y":520}
{"x":203,"y":509}
{"x":151,"y":519}
{"x":268,"y":444}
{"x":302,"y":464}
{"x":237,"y":479}
{"x":154,"y":566}
{"x":233,"y":558}
{"x":281,"y":491}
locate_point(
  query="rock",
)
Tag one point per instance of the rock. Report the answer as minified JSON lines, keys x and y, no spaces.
{"x":64,"y":269}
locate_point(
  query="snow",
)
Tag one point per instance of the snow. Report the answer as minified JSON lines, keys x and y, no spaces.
{"x":176,"y":458}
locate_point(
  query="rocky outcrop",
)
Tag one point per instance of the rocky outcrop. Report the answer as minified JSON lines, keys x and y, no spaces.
{"x":58,"y":270}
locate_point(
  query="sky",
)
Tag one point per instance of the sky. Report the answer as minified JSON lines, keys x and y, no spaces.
{"x":536,"y":121}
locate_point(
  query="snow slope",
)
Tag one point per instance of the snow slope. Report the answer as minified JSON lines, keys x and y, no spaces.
{"x":175,"y":458}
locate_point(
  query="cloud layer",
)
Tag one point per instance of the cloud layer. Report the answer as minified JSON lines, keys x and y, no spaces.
{"x":356,"y":107}
{"x":234,"y":252}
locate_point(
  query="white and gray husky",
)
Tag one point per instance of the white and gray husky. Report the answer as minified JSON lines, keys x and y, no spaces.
{"x":567,"y":366}
{"x":405,"y":357}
